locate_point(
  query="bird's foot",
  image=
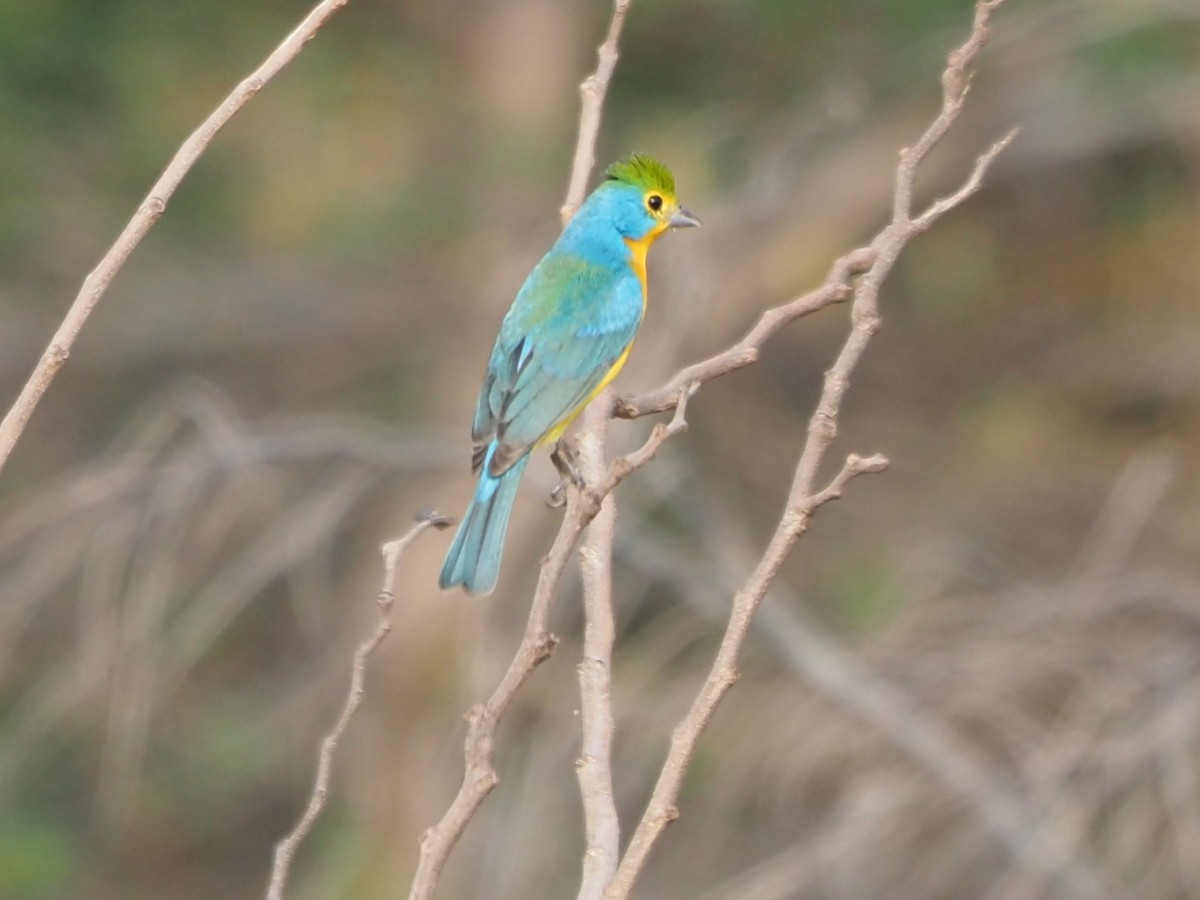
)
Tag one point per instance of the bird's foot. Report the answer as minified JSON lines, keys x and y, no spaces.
{"x":565,"y":458}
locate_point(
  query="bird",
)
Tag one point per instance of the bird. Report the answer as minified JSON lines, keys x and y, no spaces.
{"x":563,"y":340}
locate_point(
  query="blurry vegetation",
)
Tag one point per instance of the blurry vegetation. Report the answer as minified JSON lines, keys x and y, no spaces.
{"x":285,"y":370}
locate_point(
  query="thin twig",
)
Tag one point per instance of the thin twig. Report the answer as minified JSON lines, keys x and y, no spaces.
{"x":804,"y":498}
{"x":911,"y":723}
{"x":537,"y":643}
{"x":623,"y":466}
{"x":661,"y":810}
{"x":285,"y":850}
{"x":837,"y":285}
{"x":592,"y":93}
{"x":834,"y":289}
{"x":151,"y":208}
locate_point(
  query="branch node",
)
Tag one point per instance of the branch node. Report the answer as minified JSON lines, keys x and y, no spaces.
{"x":435,"y":519}
{"x":873,"y":263}
{"x":475,"y":714}
{"x":544,"y":647}
{"x":866,"y":320}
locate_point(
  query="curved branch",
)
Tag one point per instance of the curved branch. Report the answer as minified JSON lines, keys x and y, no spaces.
{"x":149,"y":212}
{"x":392,"y":551}
{"x":592,"y":92}
{"x":537,"y":643}
{"x":836,"y":287}
{"x":804,"y":497}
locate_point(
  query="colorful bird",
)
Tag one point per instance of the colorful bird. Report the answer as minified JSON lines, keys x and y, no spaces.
{"x":564,"y":338}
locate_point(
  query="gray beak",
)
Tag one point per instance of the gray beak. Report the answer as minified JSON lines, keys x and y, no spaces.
{"x":681,"y":218}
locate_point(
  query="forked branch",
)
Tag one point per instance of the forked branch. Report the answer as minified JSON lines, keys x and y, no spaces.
{"x":872,"y":263}
{"x":537,"y":643}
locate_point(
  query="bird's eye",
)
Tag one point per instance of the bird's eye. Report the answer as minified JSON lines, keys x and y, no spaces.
{"x":654,"y":201}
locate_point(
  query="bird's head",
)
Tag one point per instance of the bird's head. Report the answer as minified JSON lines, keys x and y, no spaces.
{"x":638,"y":196}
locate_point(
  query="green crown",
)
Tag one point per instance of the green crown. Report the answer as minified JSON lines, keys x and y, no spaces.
{"x":642,"y":171}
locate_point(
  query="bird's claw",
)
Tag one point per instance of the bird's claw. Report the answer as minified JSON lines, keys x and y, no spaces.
{"x":565,"y":458}
{"x":558,"y":496}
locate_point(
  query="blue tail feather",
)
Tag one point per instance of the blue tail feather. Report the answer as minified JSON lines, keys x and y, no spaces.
{"x":474,"y":556}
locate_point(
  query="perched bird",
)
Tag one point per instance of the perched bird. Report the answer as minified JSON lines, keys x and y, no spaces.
{"x":564,"y":338}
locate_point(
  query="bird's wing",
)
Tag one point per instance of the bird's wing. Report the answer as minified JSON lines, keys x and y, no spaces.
{"x":569,"y":325}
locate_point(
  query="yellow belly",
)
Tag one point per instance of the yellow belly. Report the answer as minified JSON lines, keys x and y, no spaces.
{"x":552,"y":436}
{"x":637,"y":262}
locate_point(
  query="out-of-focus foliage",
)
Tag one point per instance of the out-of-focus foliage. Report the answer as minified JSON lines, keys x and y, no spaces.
{"x":285,"y":369}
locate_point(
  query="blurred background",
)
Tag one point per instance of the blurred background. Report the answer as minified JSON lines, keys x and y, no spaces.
{"x":977,"y":678}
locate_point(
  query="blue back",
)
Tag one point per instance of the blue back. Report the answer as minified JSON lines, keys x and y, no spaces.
{"x":570,"y":323}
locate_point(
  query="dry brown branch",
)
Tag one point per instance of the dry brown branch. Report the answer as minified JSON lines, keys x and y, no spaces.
{"x":661,"y":809}
{"x":479,"y":776}
{"x":625,"y":465}
{"x":592,"y":92}
{"x":864,"y":260}
{"x":537,"y":643}
{"x":804,"y":498}
{"x":392,"y":551}
{"x":1035,"y":791}
{"x":602,"y":827}
{"x":910,"y":722}
{"x":151,"y":208}
{"x":835,"y":289}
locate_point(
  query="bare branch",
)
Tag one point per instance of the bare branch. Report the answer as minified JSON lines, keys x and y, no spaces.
{"x":661,"y":810}
{"x":592,"y":91}
{"x":834,"y":289}
{"x":804,"y":498}
{"x":151,"y":208}
{"x":602,"y":827}
{"x":285,"y":850}
{"x":837,"y":284}
{"x":940,"y":207}
{"x":594,"y":765}
{"x":913,"y":724}
{"x":855,"y":465}
{"x":625,"y":465}
{"x":537,"y":643}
